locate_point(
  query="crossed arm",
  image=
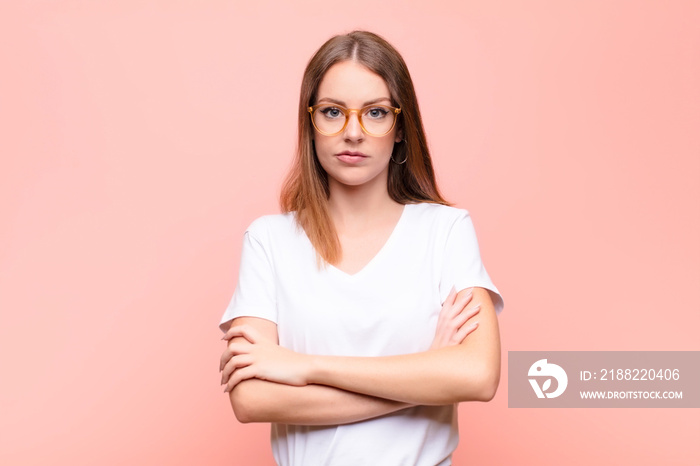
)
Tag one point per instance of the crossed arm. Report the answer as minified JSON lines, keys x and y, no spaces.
{"x":268,"y":383}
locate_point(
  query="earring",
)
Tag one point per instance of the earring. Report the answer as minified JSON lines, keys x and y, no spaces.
{"x":401,"y":162}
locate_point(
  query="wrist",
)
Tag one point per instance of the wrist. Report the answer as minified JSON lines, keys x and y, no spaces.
{"x":314,"y":369}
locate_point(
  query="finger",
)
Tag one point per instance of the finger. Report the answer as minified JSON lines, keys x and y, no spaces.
{"x":239,"y":376}
{"x":236,"y":362}
{"x":465,"y":298}
{"x":245,"y":331}
{"x":225,"y":356}
{"x":240,"y":347}
{"x":233,"y":349}
{"x":458,"y":305}
{"x":463,"y":332}
{"x":450,"y":297}
{"x":465,"y":315}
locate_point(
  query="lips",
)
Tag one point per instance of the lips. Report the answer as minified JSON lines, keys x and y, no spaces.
{"x":350,"y":156}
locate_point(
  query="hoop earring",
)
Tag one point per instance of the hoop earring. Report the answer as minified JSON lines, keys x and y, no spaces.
{"x":401,"y":162}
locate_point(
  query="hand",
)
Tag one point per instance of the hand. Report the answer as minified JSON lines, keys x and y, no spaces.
{"x":253,"y":356}
{"x":451,"y":327}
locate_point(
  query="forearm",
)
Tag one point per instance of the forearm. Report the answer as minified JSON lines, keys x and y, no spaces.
{"x":469,"y":371}
{"x":435,"y":377}
{"x":261,"y":401}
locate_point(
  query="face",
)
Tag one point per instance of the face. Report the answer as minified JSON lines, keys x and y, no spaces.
{"x":352,"y":157}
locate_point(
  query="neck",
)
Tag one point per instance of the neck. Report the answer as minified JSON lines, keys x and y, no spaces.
{"x":354,"y":206}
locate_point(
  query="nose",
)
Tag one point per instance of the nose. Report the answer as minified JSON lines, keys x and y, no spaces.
{"x":353,"y":130}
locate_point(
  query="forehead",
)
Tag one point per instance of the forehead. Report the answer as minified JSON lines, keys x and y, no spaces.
{"x":352,"y":84}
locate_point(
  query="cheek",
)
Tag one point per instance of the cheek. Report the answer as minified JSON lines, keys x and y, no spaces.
{"x":322,"y":152}
{"x":321,"y":147}
{"x":388,"y":146}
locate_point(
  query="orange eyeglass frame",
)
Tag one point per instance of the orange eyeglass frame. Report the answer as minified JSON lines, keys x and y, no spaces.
{"x":347,"y":112}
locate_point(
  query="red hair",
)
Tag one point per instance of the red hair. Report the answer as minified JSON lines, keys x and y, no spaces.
{"x":305,"y":191}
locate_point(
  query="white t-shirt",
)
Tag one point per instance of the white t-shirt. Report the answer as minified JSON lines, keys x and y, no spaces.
{"x":389,"y":307}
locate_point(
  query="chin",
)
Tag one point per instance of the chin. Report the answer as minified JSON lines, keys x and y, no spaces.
{"x":357,"y":181}
{"x":346,"y":181}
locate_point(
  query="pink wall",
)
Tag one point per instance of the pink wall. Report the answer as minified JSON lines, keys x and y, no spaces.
{"x":139,"y":139}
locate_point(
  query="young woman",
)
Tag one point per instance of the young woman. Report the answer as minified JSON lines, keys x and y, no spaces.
{"x":353,"y":328}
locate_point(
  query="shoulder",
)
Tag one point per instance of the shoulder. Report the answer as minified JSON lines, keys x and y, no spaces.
{"x":438,"y":215}
{"x":276,"y":232}
{"x":267,"y":225}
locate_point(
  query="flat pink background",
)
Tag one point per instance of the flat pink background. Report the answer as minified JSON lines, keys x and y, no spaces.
{"x":139,"y":139}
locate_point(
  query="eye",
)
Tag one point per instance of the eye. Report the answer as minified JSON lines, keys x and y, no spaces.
{"x":331,"y":112}
{"x":376,"y":113}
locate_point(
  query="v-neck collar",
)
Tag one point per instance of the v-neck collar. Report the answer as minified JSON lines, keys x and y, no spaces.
{"x":377,"y":257}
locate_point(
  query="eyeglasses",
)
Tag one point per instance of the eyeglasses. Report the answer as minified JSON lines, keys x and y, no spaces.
{"x":375,"y":120}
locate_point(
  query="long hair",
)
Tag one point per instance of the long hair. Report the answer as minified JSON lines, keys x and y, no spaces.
{"x":305,"y":190}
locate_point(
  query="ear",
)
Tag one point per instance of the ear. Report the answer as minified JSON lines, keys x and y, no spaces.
{"x":399,"y":135}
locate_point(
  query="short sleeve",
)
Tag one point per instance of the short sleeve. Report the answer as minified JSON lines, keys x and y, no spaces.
{"x":462,"y":267}
{"x":255,"y":292}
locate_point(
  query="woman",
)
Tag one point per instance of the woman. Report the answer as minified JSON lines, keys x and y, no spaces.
{"x":353,"y":326}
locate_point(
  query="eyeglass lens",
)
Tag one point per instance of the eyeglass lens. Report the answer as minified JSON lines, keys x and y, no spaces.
{"x":376,"y":120}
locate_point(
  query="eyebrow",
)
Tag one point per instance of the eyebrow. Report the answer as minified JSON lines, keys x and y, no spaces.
{"x":340,"y":102}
